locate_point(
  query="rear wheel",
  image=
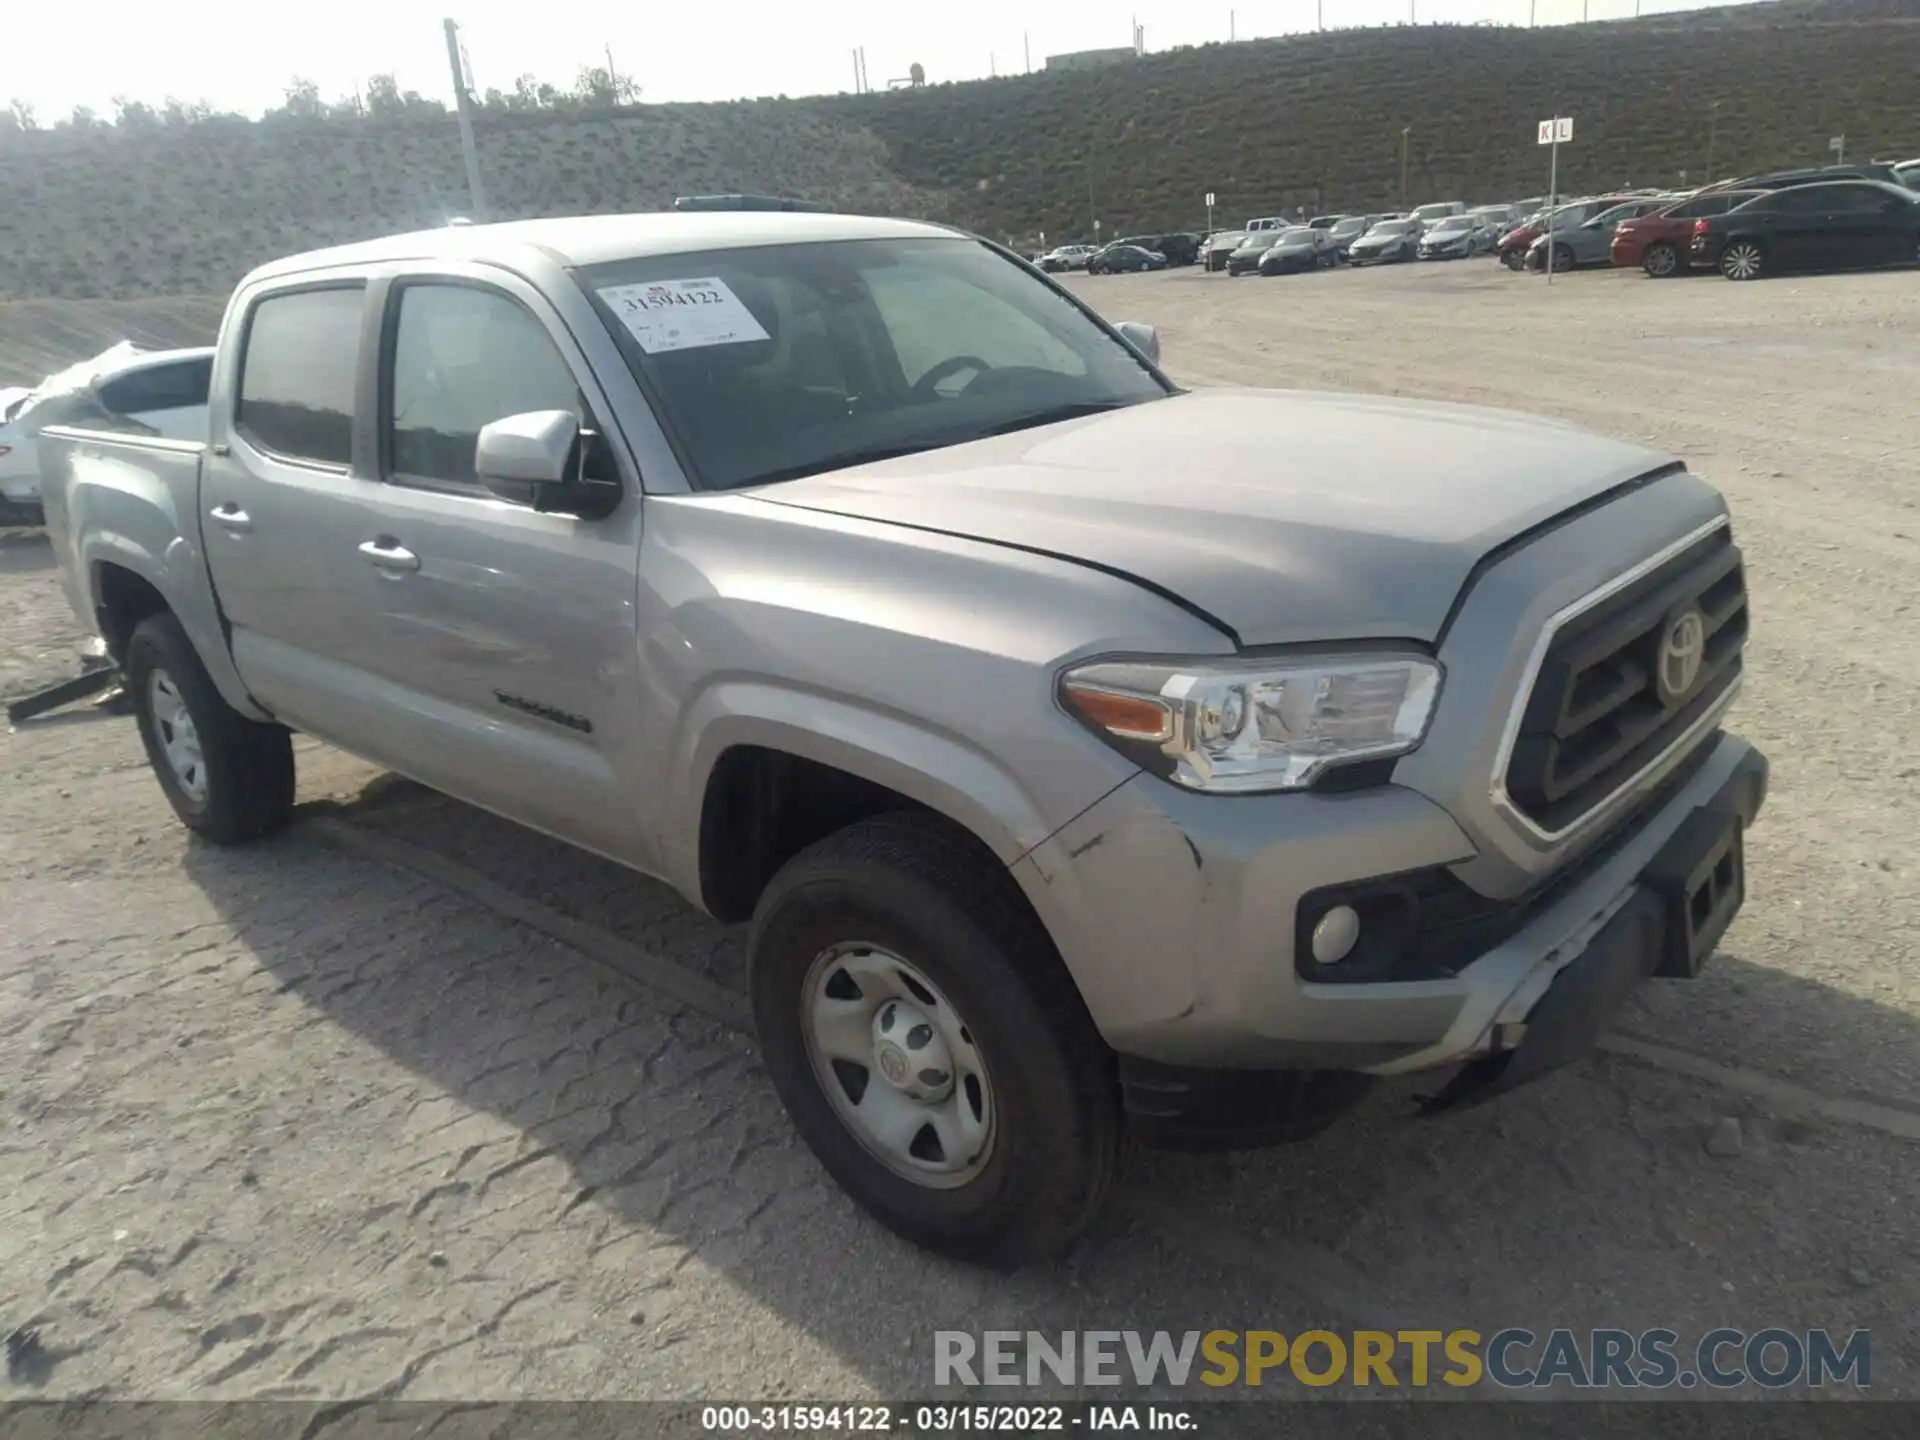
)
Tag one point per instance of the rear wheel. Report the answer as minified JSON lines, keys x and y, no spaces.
{"x":927,"y":1042}
{"x":227,"y":777}
{"x":1743,"y":260}
{"x":1660,"y":261}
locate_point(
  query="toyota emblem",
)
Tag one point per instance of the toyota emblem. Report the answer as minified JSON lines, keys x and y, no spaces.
{"x":1681,"y":653}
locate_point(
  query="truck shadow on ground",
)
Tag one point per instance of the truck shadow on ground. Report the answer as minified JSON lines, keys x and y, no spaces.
{"x":1590,"y":1199}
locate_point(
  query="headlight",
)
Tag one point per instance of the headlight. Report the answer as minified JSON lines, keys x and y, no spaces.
{"x":1239,"y":726}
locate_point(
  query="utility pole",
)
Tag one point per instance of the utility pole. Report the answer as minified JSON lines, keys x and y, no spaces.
{"x":1713,"y":134}
{"x":613,"y":75}
{"x":1405,"y":131}
{"x":1231,"y":37}
{"x":1320,"y":14}
{"x":1026,"y":49}
{"x":463,"y":103}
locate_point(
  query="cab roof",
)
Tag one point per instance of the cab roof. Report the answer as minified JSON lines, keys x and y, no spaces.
{"x":594,"y":239}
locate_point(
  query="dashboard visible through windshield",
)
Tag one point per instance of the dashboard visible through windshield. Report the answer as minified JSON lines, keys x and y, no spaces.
{"x":775,"y":362}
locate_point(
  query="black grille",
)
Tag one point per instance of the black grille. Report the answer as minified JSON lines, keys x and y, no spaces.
{"x":1597,"y":715}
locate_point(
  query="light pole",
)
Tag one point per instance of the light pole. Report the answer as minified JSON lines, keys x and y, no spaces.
{"x":1713,"y":133}
{"x":1405,"y":131}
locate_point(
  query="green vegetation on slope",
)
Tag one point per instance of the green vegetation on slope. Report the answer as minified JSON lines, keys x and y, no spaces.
{"x":1315,"y":121}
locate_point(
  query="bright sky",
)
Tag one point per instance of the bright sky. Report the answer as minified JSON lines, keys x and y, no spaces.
{"x":239,"y":54}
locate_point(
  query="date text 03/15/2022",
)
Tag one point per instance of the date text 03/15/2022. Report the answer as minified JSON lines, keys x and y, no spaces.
{"x":946,"y":1419}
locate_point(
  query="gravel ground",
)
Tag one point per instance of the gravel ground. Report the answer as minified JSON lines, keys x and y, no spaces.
{"x":410,"y":1103}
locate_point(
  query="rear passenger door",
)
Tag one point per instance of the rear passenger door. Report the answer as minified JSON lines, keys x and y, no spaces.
{"x":503,"y":639}
{"x":286,"y":483}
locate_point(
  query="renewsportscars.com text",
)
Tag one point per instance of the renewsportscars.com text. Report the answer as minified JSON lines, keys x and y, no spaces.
{"x":1603,"y":1359}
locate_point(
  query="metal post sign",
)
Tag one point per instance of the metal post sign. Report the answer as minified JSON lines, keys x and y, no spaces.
{"x":1555,"y":132}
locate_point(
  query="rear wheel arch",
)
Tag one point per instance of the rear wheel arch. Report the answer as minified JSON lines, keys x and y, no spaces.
{"x":122,"y":599}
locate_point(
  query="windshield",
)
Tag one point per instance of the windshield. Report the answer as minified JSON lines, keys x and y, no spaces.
{"x":1349,"y":227}
{"x":1432,"y":212}
{"x":774,"y":362}
{"x":1392,"y":227}
{"x":1297,"y":239}
{"x":1260,"y":240}
{"x":1618,"y":213}
{"x":1451,"y":224}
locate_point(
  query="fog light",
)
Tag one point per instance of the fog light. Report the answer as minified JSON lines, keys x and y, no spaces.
{"x":1334,"y":937}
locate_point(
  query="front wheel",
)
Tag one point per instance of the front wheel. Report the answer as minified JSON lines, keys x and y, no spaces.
{"x":1660,"y":261}
{"x":228,"y":778}
{"x":1562,"y":259}
{"x":1743,"y":260}
{"x":926,"y":1040}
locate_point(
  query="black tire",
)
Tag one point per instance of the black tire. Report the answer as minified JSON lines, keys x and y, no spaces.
{"x":1662,"y":260}
{"x":1515,"y":259}
{"x":1561,"y":259}
{"x":248,"y":765}
{"x":1743,"y":259}
{"x":910,"y":884}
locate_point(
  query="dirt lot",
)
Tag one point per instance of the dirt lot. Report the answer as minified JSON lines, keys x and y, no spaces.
{"x":407,"y":1102}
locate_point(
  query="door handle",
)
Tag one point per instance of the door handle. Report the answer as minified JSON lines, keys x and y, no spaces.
{"x":389,"y":554}
{"x":232,"y":517}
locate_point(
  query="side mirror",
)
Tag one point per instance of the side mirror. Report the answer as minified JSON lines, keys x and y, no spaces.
{"x":534,"y":459}
{"x":1143,"y":338}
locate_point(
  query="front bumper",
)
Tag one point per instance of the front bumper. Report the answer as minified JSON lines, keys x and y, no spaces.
{"x":1176,"y":914}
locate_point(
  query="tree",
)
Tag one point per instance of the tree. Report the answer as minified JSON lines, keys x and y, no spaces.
{"x":598,"y":88}
{"x":385,"y":97}
{"x":133,"y":114}
{"x":82,"y":119}
{"x":21,"y":113}
{"x":176,"y":114}
{"x":303,"y":102}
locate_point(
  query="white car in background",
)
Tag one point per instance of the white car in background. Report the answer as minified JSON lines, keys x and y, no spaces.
{"x":161,"y":393}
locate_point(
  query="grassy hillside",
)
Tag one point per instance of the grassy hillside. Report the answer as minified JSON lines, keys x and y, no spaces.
{"x":1314,"y":121}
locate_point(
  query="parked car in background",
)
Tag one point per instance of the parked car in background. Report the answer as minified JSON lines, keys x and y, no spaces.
{"x":1215,"y":249}
{"x":1387,"y":243}
{"x":1325,"y":222}
{"x":1811,"y":175}
{"x":1660,"y":242}
{"x":1301,"y":248}
{"x":1437,"y":210}
{"x":160,"y":393}
{"x":1267,"y":222}
{"x":1120,"y":259}
{"x":1349,"y":230}
{"x":1246,"y":256}
{"x":1179,"y":247}
{"x":1909,"y":173}
{"x":1452,"y":237}
{"x":1067,"y":257}
{"x":1590,"y":243}
{"x":1843,"y":225}
{"x":1514,"y":246}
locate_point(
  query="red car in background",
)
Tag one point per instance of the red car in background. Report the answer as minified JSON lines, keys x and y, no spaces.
{"x":1659,"y":243}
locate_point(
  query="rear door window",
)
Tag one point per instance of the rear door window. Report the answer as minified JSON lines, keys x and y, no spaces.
{"x":298,"y":372}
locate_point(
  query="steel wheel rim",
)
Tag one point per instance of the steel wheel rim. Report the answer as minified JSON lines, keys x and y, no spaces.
{"x":1661,"y":260}
{"x":179,"y":738}
{"x":1741,"y":262}
{"x":857,"y":1002}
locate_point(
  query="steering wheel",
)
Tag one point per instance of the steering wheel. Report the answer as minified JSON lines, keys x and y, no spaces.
{"x":923,"y":388}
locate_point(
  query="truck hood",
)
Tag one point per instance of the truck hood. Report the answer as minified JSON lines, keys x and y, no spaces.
{"x":1282,"y":516}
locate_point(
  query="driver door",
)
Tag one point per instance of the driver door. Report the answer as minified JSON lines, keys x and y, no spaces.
{"x":503,"y":639}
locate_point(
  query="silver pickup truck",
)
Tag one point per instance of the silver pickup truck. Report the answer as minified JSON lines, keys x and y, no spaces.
{"x":1088,"y":755}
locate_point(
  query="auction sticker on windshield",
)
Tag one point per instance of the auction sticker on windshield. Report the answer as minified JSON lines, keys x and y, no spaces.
{"x":668,"y":315}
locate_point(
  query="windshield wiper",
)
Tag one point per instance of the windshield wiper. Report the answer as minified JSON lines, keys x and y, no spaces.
{"x":847,"y":459}
{"x":1073,"y":410}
